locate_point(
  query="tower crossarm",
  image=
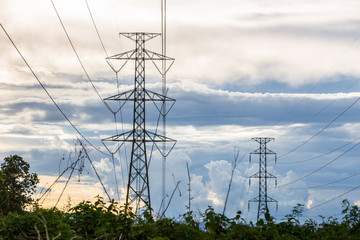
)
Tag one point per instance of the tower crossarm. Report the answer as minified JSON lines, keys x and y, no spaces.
{"x":125,"y":96}
{"x":156,"y":56}
{"x":256,"y":175}
{"x":149,"y":55}
{"x":255,"y":199}
{"x":270,"y":199}
{"x":122,"y":137}
{"x":262,"y":151}
{"x":153,"y":96}
{"x":269,"y":175}
{"x":156,"y":97}
{"x":263,"y":140}
{"x":133,"y":35}
{"x":265,"y":175}
{"x":157,"y":138}
{"x":129,"y":96}
{"x":128,"y":55}
{"x":149,"y":96}
{"x":145,"y":54}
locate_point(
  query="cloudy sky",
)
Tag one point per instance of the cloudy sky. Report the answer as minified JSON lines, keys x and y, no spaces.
{"x":243,"y":69}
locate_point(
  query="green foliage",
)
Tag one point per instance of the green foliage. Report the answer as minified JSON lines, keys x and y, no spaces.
{"x":40,"y":224}
{"x":16,"y":185}
{"x":100,"y":220}
{"x":92,"y":220}
{"x":216,"y":224}
{"x":352,"y":219}
{"x":295,"y":214}
{"x":108,"y":220}
{"x":164,"y":229}
{"x":189,"y":219}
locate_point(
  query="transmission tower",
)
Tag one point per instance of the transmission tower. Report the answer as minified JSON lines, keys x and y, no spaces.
{"x":263,"y":199}
{"x":138,"y":188}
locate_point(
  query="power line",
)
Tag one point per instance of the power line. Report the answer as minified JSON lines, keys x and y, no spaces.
{"x":67,"y":182}
{"x":57,"y":106}
{"x":116,"y":180}
{"x":156,"y":130}
{"x":114,"y":113}
{"x":81,"y":155}
{"x":92,"y":165}
{"x":326,"y":184}
{"x":311,"y":90}
{"x":321,"y":130}
{"x":307,"y":175}
{"x":77,"y":56}
{"x":330,"y":103}
{"x":72,"y":166}
{"x":97,"y":31}
{"x":126,"y":159}
{"x":164,"y":92}
{"x":98,"y":34}
{"x":339,"y":196}
{"x":60,"y":175}
{"x":322,"y":155}
{"x":321,"y":79}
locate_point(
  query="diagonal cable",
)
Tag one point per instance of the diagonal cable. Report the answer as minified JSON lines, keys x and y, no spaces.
{"x":78,"y":57}
{"x":286,"y":184}
{"x":330,"y":183}
{"x":339,"y":196}
{"x":57,"y":106}
{"x":321,"y":130}
{"x":97,"y":174}
{"x":321,"y":79}
{"x":322,"y":155}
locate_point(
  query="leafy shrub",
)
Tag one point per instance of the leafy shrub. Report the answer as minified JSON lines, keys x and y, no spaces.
{"x":40,"y":224}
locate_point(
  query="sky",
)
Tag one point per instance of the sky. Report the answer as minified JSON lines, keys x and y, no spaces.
{"x":243,"y":69}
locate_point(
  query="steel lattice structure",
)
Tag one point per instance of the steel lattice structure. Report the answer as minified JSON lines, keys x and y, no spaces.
{"x":263,"y":176}
{"x":138,"y":189}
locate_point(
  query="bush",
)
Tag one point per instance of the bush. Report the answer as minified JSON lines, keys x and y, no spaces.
{"x":40,"y":224}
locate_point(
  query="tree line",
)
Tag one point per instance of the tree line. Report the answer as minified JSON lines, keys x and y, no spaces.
{"x":22,"y":218}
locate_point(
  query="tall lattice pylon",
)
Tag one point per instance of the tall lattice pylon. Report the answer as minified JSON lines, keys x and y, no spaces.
{"x":138,"y":188}
{"x":263,"y":199}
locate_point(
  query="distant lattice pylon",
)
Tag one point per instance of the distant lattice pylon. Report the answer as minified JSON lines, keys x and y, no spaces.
{"x":263,"y":199}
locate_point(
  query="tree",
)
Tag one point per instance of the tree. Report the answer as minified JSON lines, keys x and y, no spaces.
{"x":296,"y":213}
{"x":16,"y":185}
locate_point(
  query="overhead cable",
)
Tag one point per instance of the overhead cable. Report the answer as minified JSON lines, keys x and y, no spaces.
{"x":98,"y":34}
{"x":321,"y":79}
{"x":92,"y":165}
{"x":47,"y":191}
{"x":164,"y":92}
{"x":330,"y":183}
{"x":339,"y":196}
{"x":97,"y":31}
{"x":116,"y":180}
{"x":114,"y":113}
{"x":322,"y":155}
{"x":78,"y":57}
{"x":57,"y":106}
{"x":67,"y":182}
{"x":311,"y":90}
{"x":117,"y":132}
{"x":321,"y":130}
{"x":330,"y":103}
{"x":307,"y":175}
